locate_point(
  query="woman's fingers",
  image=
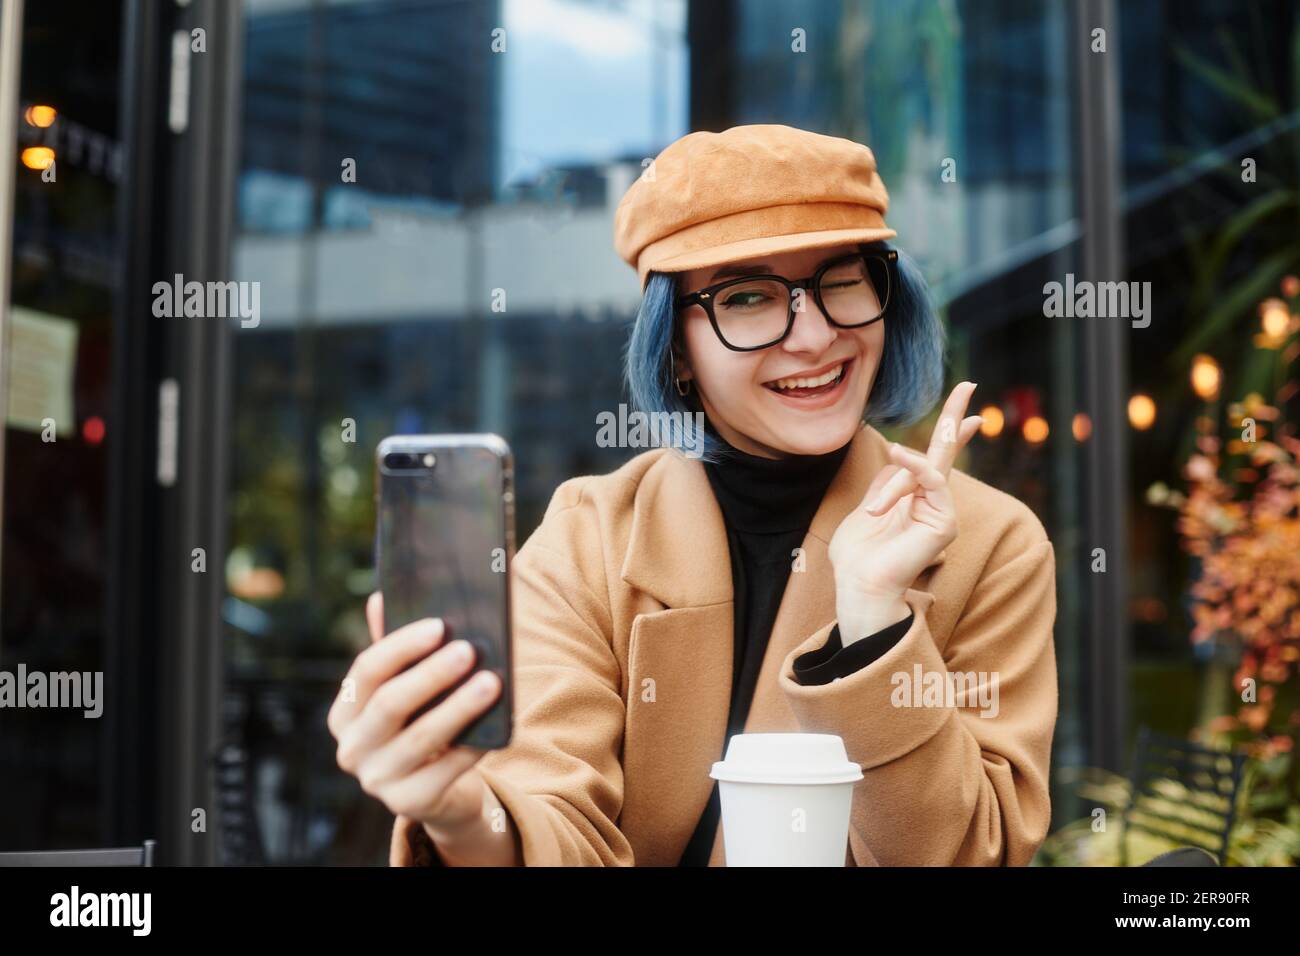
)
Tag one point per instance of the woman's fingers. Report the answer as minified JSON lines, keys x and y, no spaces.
{"x":377,"y":663}
{"x":902,"y":481}
{"x":915,"y":470}
{"x":433,"y":732}
{"x":906,"y":479}
{"x":949,"y":437}
{"x":966,"y":431}
{"x":375,"y":615}
{"x":881,"y":479}
{"x":935,"y":503}
{"x":423,"y":788}
{"x":921,"y":468}
{"x":393,"y":704}
{"x":945,"y":441}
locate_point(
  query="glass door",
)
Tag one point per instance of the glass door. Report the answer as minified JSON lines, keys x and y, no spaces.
{"x":60,"y":184}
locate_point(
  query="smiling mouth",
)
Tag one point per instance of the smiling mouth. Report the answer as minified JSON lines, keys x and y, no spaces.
{"x":812,"y":385}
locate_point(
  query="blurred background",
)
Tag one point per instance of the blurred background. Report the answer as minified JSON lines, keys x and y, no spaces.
{"x":201,"y":533}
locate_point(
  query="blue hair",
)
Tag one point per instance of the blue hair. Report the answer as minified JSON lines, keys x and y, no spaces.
{"x":908,"y":382}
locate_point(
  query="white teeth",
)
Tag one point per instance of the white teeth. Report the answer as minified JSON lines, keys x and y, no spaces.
{"x":830,"y":376}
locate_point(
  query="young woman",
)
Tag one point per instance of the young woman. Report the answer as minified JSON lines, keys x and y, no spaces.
{"x":804,"y":575}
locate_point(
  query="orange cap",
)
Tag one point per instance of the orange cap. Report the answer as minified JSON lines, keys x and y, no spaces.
{"x":713,"y":198}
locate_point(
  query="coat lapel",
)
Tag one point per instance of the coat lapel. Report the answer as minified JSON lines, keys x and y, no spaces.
{"x":679,"y":677}
{"x":680,"y":658}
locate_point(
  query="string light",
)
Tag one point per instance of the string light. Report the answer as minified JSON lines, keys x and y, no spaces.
{"x":1141,"y":411}
{"x":1035,"y":429}
{"x":1081,"y":426}
{"x":991,"y":427}
{"x":1274,"y":319}
{"x":41,"y":117}
{"x":1206,"y":377}
{"x":38,"y":157}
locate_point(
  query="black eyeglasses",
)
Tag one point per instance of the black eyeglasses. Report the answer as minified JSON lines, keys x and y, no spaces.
{"x":757,"y":312}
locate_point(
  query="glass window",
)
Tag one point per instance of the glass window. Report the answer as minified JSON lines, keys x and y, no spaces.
{"x":430,"y":224}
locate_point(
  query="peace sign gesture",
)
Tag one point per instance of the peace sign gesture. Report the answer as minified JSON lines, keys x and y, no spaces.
{"x":905,"y":519}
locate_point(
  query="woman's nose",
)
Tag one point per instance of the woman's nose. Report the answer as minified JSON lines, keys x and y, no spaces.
{"x":812,"y":331}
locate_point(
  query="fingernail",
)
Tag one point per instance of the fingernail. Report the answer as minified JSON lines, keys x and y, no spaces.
{"x":462,"y":652}
{"x":483,"y":684}
{"x":873,"y":505}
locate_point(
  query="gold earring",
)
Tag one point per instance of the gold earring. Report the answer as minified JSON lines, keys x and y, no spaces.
{"x":677,"y":382}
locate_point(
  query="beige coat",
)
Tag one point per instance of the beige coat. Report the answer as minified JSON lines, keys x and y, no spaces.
{"x":623,"y":659}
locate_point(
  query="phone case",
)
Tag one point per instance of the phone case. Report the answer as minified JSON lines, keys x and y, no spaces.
{"x":444,"y":545}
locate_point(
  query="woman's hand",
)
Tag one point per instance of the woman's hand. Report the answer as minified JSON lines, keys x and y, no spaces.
{"x":415,"y":771}
{"x":905,"y":519}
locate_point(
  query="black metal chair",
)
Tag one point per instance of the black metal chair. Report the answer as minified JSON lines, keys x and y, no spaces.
{"x":1183,"y":856}
{"x":240,"y":837}
{"x":124,"y":856}
{"x":1209,"y":782}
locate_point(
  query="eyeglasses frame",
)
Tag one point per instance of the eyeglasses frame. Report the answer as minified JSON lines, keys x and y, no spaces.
{"x":705,"y":297}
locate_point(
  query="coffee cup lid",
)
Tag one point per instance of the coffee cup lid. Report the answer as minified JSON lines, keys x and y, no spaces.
{"x":786,"y":759}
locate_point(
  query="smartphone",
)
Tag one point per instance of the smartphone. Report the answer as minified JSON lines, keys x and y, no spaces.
{"x":444,"y":541}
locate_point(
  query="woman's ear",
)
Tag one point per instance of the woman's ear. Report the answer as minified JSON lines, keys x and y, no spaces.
{"x":681,"y":362}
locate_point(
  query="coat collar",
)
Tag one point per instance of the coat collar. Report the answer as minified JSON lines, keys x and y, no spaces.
{"x":678,"y":549}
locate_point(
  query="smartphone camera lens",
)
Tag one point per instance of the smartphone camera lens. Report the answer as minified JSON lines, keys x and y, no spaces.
{"x":398,"y":462}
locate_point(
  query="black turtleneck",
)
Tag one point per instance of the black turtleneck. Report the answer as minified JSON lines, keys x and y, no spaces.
{"x":767,"y":505}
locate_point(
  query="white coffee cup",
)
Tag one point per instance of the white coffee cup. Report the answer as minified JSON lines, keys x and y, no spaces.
{"x":786,"y":799}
